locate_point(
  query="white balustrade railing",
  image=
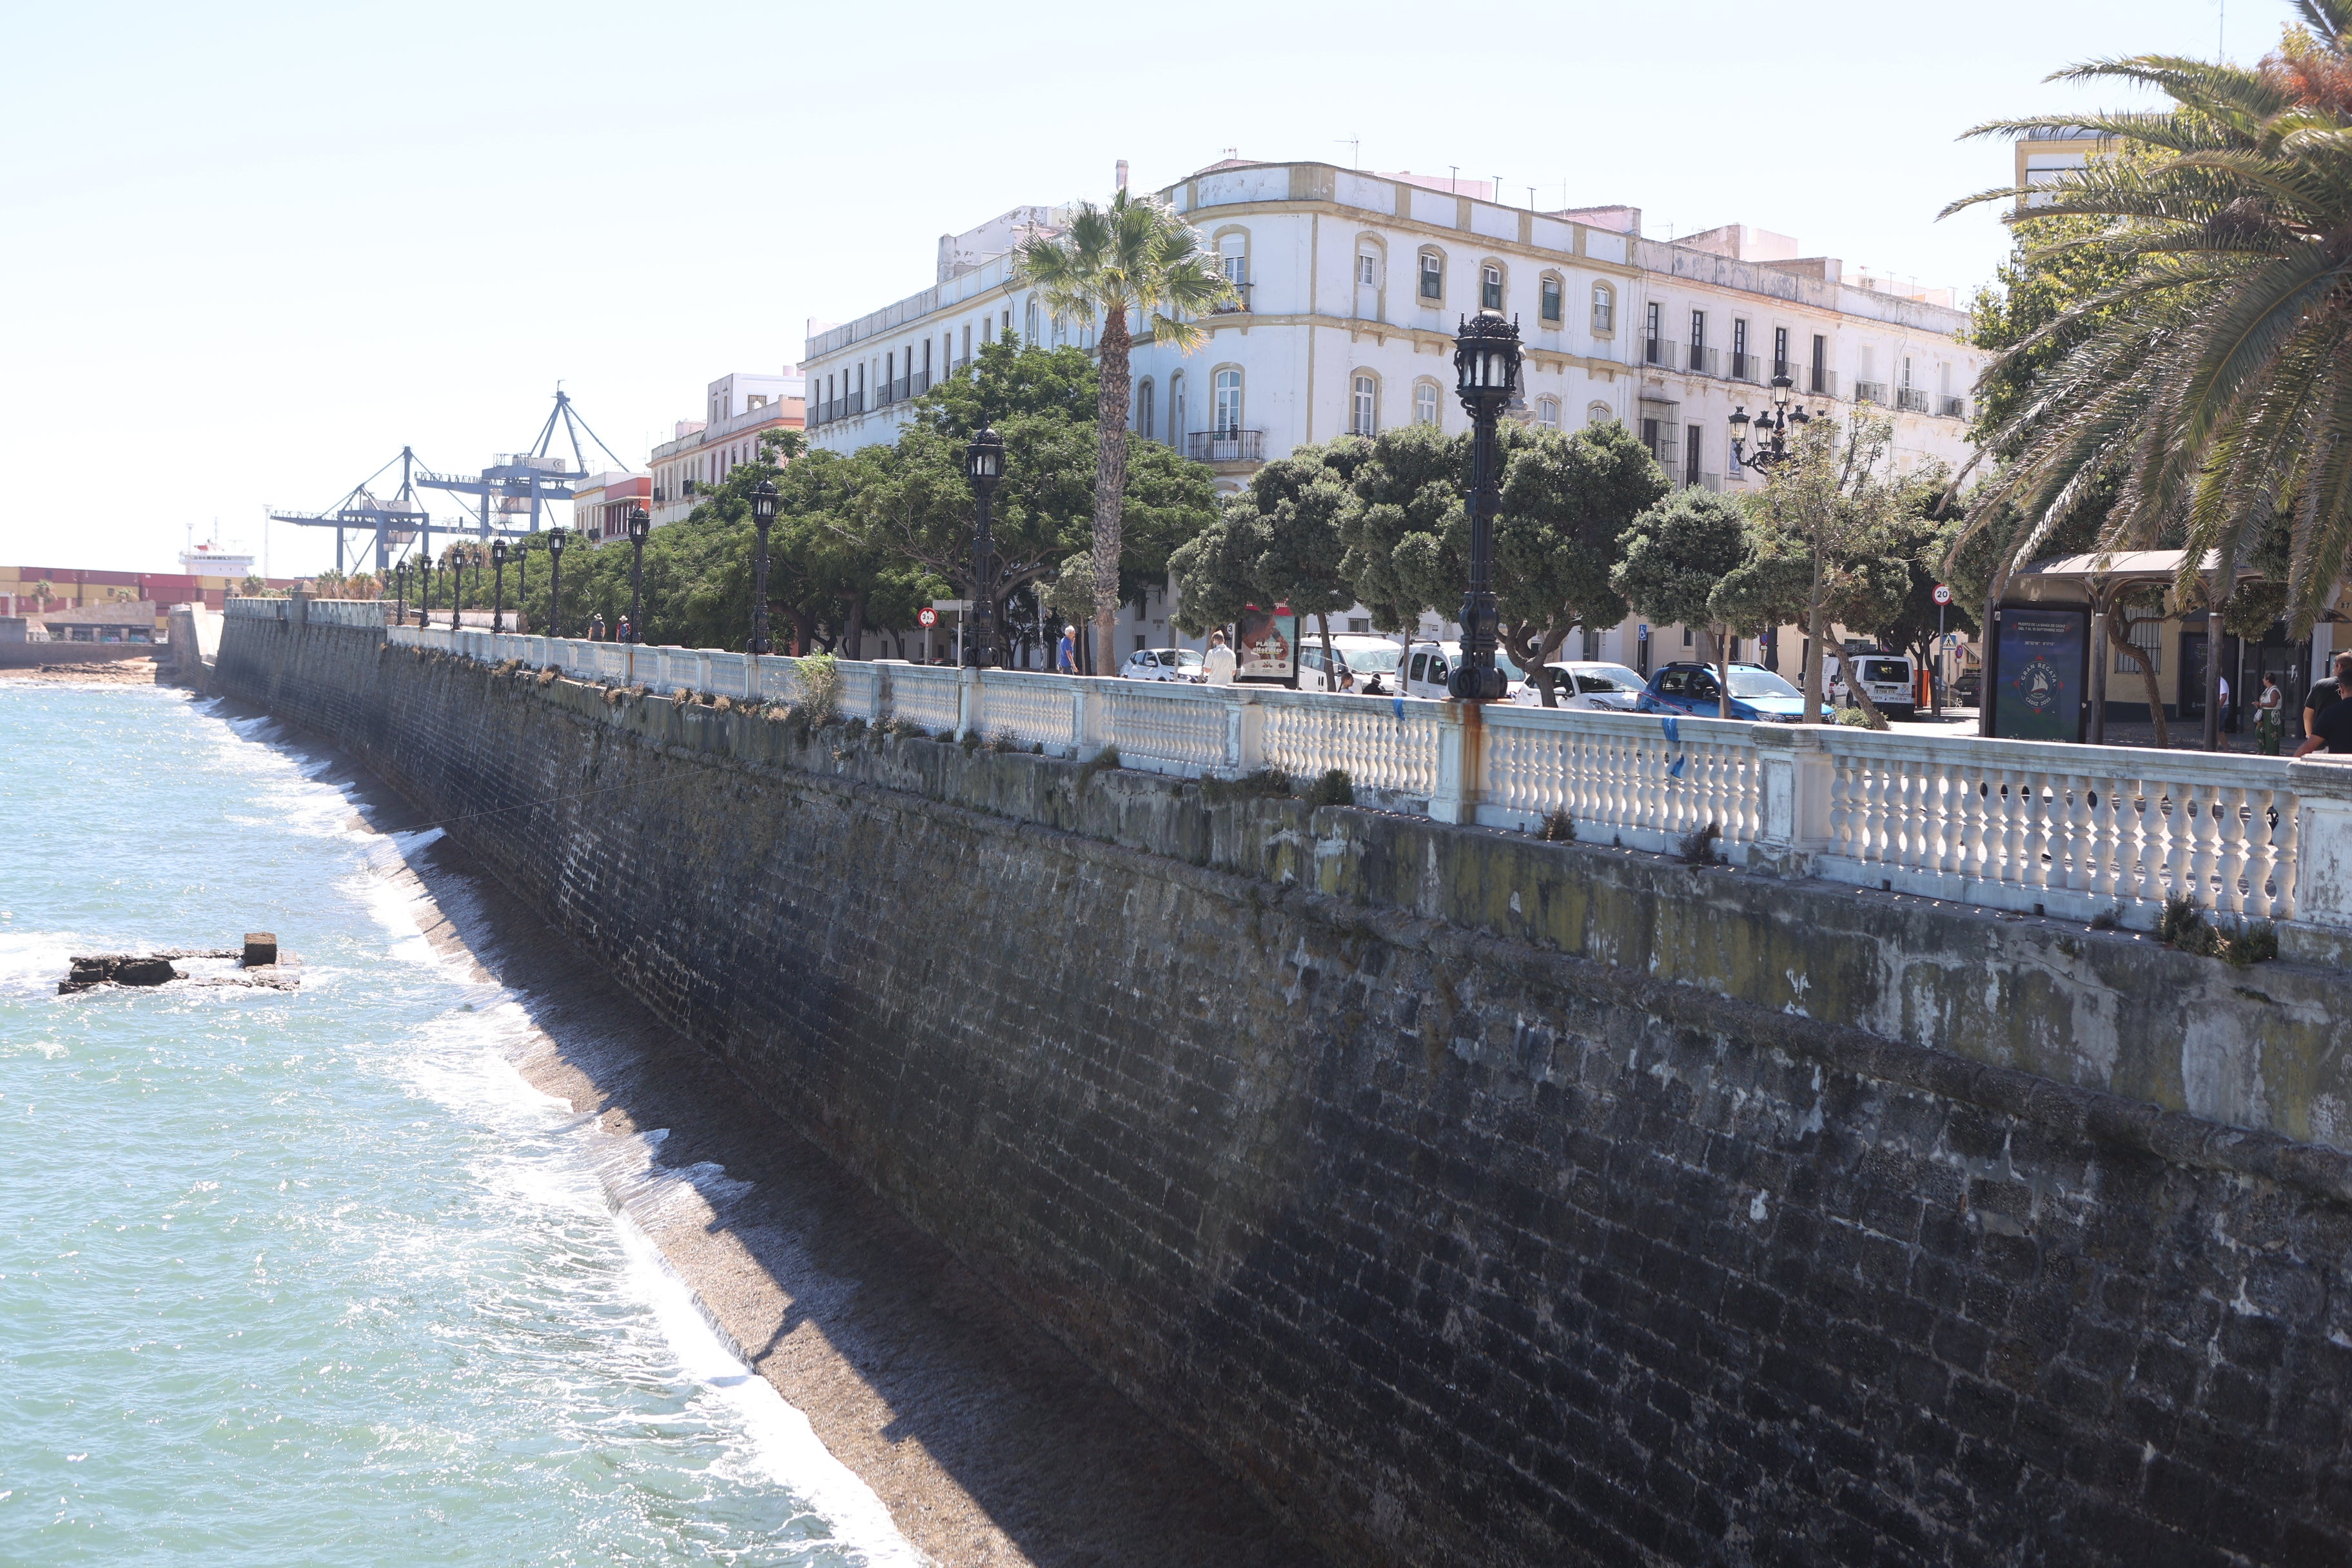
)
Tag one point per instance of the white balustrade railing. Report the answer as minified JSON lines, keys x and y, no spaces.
{"x":1387,"y":744}
{"x":2075,"y":831}
{"x":929,"y":695}
{"x":2074,"y":828}
{"x":1163,"y":726}
{"x":1034,"y":708}
{"x":1636,"y":779}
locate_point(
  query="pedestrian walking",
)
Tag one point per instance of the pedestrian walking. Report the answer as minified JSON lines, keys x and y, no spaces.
{"x":2332,"y":730}
{"x":1065,"y":652}
{"x":1217,"y":665}
{"x":596,"y":626}
{"x":2229,"y":720}
{"x":2315,"y":702}
{"x":2270,"y":713}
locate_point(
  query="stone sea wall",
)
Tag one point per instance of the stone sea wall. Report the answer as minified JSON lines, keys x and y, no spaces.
{"x":1476,"y":1199}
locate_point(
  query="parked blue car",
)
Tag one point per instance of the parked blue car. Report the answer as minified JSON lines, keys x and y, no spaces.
{"x":1755,"y":693}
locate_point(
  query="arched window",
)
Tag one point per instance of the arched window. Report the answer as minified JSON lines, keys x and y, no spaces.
{"x":1548,"y":413}
{"x":1604,"y":308}
{"x":1490,"y":287}
{"x":1176,"y":428}
{"x":1424,"y":402}
{"x":1233,"y":258}
{"x":1364,"y":406}
{"x":1554,"y":291}
{"x":1142,"y":421}
{"x":1433,"y":277}
{"x":1227,"y":412}
{"x":1029,"y":325}
{"x":1598,"y":413}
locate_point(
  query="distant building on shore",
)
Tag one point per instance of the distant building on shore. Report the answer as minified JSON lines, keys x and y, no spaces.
{"x":739,"y":407}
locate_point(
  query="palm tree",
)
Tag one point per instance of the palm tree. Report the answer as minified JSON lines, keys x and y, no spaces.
{"x":2207,"y":398}
{"x":1137,"y":254}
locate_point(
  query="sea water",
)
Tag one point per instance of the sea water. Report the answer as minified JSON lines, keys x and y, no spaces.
{"x":313,"y":1277}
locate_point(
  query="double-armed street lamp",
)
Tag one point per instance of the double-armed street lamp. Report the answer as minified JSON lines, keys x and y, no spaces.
{"x":1772,"y":428}
{"x":984,"y":466}
{"x":763,"y":517}
{"x":555,"y":582}
{"x":640,"y":525}
{"x":498,"y":585}
{"x":1487,"y":378}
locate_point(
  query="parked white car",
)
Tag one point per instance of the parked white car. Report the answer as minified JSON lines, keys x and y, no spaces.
{"x":1164,"y":664}
{"x":1891,"y":679}
{"x":1384,"y":667}
{"x":1588,"y":685}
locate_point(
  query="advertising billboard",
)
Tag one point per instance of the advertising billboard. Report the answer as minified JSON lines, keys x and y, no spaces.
{"x":2040,"y":659}
{"x":1267,"y":645}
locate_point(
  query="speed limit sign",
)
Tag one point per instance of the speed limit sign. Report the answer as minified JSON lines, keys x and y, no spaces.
{"x":927,"y":617}
{"x":1942,"y":594}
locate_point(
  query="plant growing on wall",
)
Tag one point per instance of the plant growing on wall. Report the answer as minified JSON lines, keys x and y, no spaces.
{"x":1133,"y":256}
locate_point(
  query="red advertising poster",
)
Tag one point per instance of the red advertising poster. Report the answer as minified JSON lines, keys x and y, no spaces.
{"x":1268,"y":649}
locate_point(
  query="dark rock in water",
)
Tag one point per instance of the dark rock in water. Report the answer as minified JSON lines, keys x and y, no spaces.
{"x":116,"y":969}
{"x":260,"y":948}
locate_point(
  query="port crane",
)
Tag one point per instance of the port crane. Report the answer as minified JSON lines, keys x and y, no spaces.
{"x":526,"y":481}
{"x":396,"y":521}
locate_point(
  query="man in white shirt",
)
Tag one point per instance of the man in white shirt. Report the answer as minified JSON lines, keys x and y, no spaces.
{"x":1219,"y":661}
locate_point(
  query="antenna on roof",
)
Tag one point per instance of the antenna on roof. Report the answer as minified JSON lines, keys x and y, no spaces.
{"x":1355,"y":150}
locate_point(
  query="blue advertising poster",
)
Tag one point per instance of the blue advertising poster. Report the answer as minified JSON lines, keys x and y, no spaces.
{"x":2038,"y":670}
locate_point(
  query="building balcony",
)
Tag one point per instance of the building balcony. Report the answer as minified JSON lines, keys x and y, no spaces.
{"x":1870,"y":392}
{"x":1226,"y":446}
{"x":1952,"y":407}
{"x":1910,"y":400}
{"x":1702,"y":360}
{"x":1663,"y":354}
{"x":1747,"y":367}
{"x":1239,"y":305}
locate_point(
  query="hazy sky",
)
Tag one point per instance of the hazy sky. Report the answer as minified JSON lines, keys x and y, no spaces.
{"x":250,"y":251}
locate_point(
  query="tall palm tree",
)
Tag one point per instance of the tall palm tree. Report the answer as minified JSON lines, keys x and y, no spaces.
{"x":2209,"y":393}
{"x":1134,"y":255}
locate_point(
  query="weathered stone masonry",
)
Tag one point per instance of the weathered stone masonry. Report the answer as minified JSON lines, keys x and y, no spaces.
{"x":1480,"y":1200}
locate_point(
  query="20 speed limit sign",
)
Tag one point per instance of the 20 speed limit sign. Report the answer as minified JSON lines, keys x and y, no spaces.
{"x":1942,"y":594}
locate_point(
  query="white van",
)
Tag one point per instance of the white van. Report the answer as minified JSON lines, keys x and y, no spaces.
{"x":1379,"y":662}
{"x":1891,"y":679}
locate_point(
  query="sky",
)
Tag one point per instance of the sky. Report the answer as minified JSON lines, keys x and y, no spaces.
{"x":252,"y":250}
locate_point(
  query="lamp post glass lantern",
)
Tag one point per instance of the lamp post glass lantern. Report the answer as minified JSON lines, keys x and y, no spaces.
{"x":984,"y":466}
{"x":555,"y":582}
{"x":763,"y":517}
{"x":1486,"y":379}
{"x":498,"y":585}
{"x":640,"y":525}
{"x":1769,"y":431}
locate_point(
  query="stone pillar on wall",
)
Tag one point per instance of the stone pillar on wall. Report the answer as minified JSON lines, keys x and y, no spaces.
{"x":1461,"y":735}
{"x":2321,"y":931}
{"x":1796,"y":766}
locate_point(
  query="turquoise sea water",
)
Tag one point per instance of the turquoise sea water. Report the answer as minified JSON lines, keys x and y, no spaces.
{"x":315,"y":1278}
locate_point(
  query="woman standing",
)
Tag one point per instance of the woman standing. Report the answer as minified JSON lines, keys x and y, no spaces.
{"x":2268,"y":710}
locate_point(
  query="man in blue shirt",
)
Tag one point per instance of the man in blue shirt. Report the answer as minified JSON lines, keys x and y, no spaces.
{"x":1065,"y":652}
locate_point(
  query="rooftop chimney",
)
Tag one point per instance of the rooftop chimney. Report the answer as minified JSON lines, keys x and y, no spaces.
{"x":1122,"y":174}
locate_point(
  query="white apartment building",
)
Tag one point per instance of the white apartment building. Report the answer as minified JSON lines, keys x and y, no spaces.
{"x":1351,"y":288}
{"x":736,"y":409}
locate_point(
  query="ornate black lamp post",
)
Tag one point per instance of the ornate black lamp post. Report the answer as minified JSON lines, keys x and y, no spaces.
{"x":400,"y":595}
{"x":983,"y":464}
{"x":1487,"y":378}
{"x":424,"y":591}
{"x":555,"y":582}
{"x":1772,"y":428}
{"x":763,"y":517}
{"x":498,"y":585}
{"x":639,"y":526}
